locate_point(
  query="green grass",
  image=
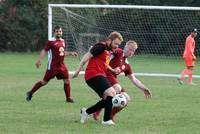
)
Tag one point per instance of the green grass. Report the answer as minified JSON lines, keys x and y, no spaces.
{"x":174,"y":109}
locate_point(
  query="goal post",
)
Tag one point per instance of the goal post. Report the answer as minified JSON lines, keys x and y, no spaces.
{"x":159,"y":30}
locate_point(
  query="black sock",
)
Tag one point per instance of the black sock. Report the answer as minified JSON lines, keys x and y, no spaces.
{"x":99,"y":105}
{"x":108,"y":108}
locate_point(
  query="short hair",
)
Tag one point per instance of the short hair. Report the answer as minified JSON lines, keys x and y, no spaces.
{"x":56,"y":28}
{"x":132,"y":43}
{"x":115,"y":35}
{"x":194,"y":30}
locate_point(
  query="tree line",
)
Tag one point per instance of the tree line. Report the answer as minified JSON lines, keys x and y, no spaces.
{"x":23,"y":23}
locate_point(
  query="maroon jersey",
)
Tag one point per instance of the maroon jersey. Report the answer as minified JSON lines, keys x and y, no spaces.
{"x":98,"y":64}
{"x":55,"y":48}
{"x":118,"y":60}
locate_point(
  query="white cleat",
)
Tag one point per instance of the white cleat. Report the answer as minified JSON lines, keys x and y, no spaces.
{"x":109,"y":122}
{"x":84,"y":115}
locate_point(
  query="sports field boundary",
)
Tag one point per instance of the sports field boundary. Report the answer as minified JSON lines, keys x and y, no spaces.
{"x":149,"y":74}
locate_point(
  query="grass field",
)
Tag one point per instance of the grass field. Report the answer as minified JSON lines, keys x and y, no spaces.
{"x":174,"y":109}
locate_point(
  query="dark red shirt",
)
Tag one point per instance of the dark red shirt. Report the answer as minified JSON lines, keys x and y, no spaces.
{"x":97,"y":65}
{"x":55,"y":48}
{"x":119,"y":60}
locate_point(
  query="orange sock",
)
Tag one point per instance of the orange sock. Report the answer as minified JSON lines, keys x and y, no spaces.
{"x":185,"y":71}
{"x":190,"y":76}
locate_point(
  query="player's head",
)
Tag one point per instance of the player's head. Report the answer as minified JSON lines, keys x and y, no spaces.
{"x":194,"y":32}
{"x":130,"y":48}
{"x":115,"y":39}
{"x":57,"y":32}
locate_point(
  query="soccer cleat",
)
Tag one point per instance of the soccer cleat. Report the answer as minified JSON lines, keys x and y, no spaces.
{"x":28,"y":96}
{"x":180,"y":81}
{"x":84,"y":115}
{"x":109,"y":122}
{"x":69,"y":100}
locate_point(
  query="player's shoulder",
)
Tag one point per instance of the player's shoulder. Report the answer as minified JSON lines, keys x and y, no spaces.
{"x":104,"y":43}
{"x":118,"y":51}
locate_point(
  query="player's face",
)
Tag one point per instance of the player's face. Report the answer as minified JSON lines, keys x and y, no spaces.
{"x":115,"y":44}
{"x":129,"y":50}
{"x":58,"y":33}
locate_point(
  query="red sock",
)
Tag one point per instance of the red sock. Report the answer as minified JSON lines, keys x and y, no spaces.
{"x":115,"y":110}
{"x":36,"y":87}
{"x":67,"y":90}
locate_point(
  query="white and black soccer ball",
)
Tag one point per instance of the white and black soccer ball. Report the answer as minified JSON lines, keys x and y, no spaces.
{"x":119,"y":100}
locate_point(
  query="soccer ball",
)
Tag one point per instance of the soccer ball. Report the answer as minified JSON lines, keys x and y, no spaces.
{"x":119,"y":100}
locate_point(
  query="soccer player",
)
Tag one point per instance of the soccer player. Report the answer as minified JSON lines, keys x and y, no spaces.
{"x":98,"y":59}
{"x":189,"y":58}
{"x":119,"y":60}
{"x":56,"y":66}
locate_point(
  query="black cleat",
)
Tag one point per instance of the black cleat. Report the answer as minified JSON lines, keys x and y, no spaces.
{"x":69,"y":100}
{"x":28,"y":96}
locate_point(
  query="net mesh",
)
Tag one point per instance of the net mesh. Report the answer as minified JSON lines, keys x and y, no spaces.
{"x":158,"y":32}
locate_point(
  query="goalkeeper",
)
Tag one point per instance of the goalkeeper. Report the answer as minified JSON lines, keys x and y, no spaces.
{"x":119,"y":60}
{"x":189,"y":57}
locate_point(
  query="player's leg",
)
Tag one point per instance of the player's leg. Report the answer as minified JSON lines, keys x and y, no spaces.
{"x":190,"y":73}
{"x":36,"y":86}
{"x":114,"y":82}
{"x":116,"y":110}
{"x":186,"y":71}
{"x":67,"y":87}
{"x":67,"y":90}
{"x":48,"y":75}
{"x":103,"y":88}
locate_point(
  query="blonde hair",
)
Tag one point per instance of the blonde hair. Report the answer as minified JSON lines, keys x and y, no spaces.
{"x":132,"y":43}
{"x":115,"y":35}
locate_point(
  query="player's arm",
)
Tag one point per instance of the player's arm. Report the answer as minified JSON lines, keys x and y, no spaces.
{"x":67,"y":53}
{"x":84,"y":60}
{"x":140,"y":85}
{"x":115,"y":71}
{"x":40,"y":58}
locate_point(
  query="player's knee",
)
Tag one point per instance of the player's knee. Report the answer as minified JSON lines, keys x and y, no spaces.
{"x":109,"y":92}
{"x":44,"y":82}
{"x":66,"y":81}
{"x":117,"y":88}
{"x":128,"y":98}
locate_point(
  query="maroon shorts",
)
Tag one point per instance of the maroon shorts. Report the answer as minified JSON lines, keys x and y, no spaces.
{"x":112,"y":79}
{"x":59,"y":74}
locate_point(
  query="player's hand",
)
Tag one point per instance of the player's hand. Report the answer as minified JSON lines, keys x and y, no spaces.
{"x":117,"y":70}
{"x":147,"y":93}
{"x":194,"y":58}
{"x":74,"y":54}
{"x":75,"y":74}
{"x":38,"y":63}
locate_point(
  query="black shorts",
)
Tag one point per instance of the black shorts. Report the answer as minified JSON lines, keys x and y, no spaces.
{"x":99,"y":84}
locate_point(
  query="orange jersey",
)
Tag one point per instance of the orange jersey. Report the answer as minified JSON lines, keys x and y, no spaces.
{"x":189,"y":48}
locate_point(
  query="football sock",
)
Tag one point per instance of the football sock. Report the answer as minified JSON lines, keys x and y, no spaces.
{"x":108,"y":108}
{"x":67,"y":90}
{"x":190,"y":76}
{"x":36,"y":87}
{"x":185,"y":71}
{"x":98,"y":106}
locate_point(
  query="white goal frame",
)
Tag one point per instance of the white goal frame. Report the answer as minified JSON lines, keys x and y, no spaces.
{"x":50,"y":6}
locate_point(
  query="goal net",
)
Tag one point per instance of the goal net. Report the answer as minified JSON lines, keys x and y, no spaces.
{"x":159,"y":30}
